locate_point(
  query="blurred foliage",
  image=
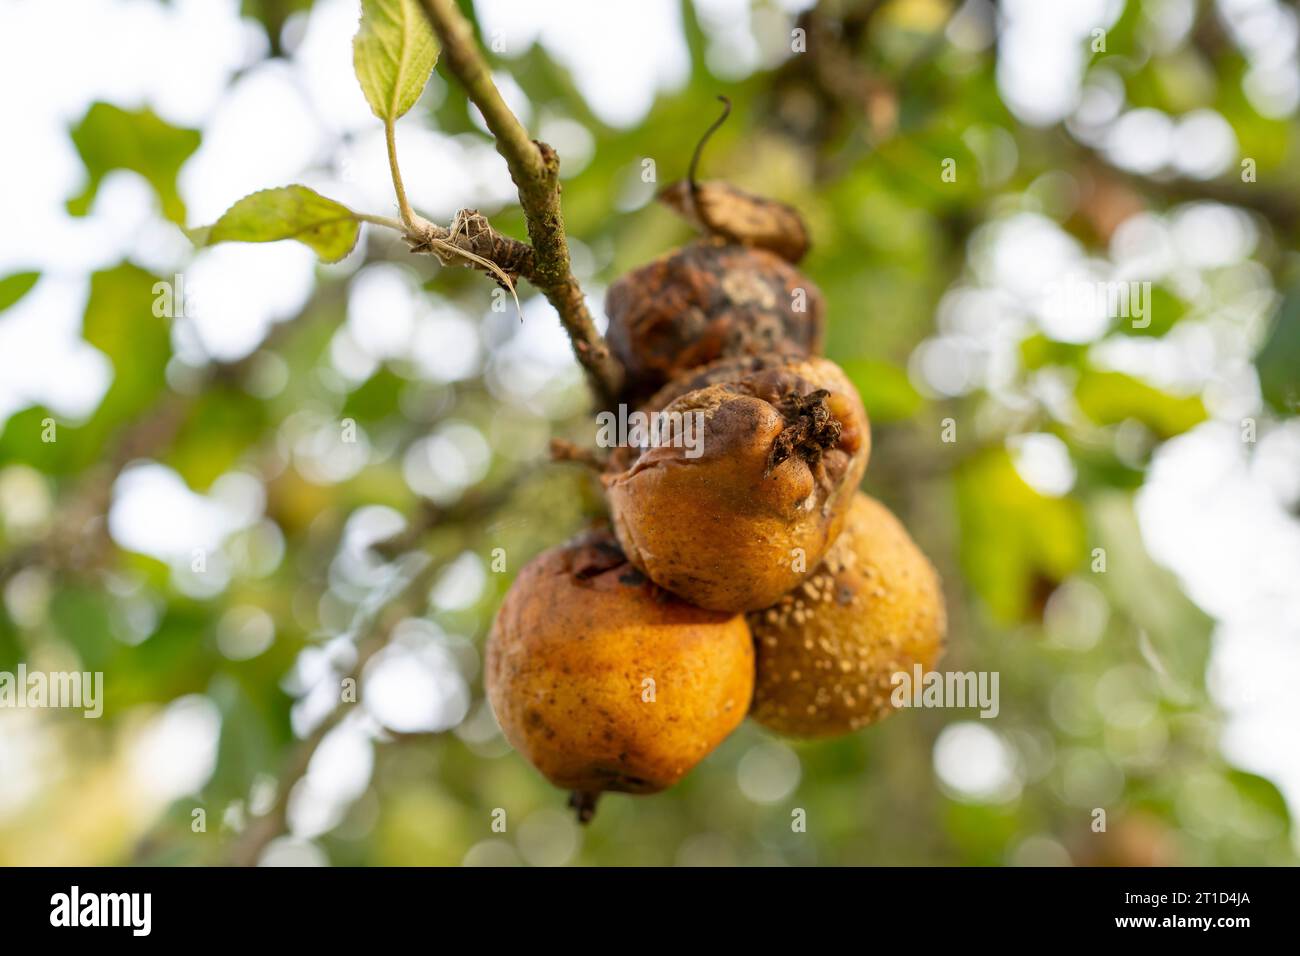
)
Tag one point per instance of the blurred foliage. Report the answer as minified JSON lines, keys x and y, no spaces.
{"x":1279,"y":358}
{"x":109,"y":138}
{"x":14,"y":287}
{"x":1104,"y":700}
{"x":1017,"y":545}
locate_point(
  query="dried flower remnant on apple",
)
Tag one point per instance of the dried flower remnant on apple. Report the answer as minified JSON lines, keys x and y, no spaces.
{"x":785,"y":444}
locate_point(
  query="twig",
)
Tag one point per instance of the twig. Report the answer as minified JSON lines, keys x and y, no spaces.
{"x":78,"y":538}
{"x":535,"y":169}
{"x":1277,"y":206}
{"x":410,"y":600}
{"x":564,"y":450}
{"x":248,"y":848}
{"x":474,"y":506}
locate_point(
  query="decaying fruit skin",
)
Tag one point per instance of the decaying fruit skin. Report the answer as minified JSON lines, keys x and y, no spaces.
{"x":827,"y":652}
{"x":578,"y":640}
{"x":720,"y":209}
{"x":705,"y":301}
{"x":782,"y":446}
{"x":717,"y":208}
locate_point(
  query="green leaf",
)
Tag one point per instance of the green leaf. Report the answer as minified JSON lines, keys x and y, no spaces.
{"x":109,"y":138}
{"x":273,"y":14}
{"x":982,"y":831}
{"x":1015,"y":543}
{"x":393,"y":54}
{"x":290,"y":212}
{"x":12,"y":646}
{"x":1165,"y":310}
{"x":1100,"y":469}
{"x":885,"y":389}
{"x":1176,"y":631}
{"x":120,"y":322}
{"x":80,"y":615}
{"x":1262,"y":795}
{"x":14,"y":287}
{"x":1278,"y":361}
{"x":222,"y":425}
{"x":1038,"y":351}
{"x":251,"y":733}
{"x":376,"y":398}
{"x":1109,"y":398}
{"x":24,"y":440}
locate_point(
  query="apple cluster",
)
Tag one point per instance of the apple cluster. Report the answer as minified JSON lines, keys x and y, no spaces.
{"x":743,"y":573}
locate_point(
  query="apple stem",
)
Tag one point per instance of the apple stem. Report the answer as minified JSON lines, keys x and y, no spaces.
{"x":583,"y":803}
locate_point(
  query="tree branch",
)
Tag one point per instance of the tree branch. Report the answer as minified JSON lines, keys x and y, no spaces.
{"x":78,"y":537}
{"x":474,"y":506}
{"x":1277,"y":206}
{"x":247,"y":849}
{"x":535,"y":169}
{"x":410,"y":601}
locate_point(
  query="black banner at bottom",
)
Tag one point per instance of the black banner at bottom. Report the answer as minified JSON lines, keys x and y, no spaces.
{"x":214,"y":906}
